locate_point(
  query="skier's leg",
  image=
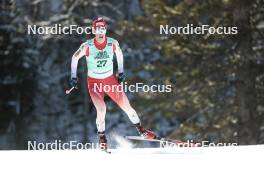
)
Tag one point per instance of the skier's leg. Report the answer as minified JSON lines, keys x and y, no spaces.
{"x":120,"y":98}
{"x":100,"y":111}
{"x":97,"y":97}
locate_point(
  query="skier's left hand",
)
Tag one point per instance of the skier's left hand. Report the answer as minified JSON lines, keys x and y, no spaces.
{"x":121,"y":77}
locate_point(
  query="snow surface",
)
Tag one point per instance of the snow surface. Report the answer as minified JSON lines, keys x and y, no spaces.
{"x":231,"y":160}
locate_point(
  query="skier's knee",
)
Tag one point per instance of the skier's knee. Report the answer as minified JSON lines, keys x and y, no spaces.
{"x":129,"y":109}
{"x":101,"y":110}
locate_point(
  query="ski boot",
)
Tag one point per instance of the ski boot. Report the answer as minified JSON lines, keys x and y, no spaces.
{"x":144,"y":132}
{"x":102,"y":141}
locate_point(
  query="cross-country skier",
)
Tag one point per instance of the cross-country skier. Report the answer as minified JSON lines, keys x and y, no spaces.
{"x":99,"y":53}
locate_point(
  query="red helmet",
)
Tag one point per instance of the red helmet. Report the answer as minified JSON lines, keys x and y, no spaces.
{"x":99,"y":26}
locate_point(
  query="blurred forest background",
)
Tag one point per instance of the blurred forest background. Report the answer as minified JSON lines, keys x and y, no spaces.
{"x":218,"y":80}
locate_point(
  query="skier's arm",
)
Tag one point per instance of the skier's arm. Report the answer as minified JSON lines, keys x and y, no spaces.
{"x":75,"y":58}
{"x":120,"y":62}
{"x":119,"y":57}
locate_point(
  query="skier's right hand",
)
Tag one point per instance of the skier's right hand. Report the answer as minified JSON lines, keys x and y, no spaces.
{"x":74,"y":83}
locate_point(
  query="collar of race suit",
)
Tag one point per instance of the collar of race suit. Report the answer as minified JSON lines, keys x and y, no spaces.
{"x":100,"y":46}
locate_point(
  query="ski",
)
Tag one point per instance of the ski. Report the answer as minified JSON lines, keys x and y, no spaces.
{"x":141,"y":138}
{"x":106,"y":151}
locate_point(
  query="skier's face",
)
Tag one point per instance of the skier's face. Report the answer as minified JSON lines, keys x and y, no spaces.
{"x":99,"y":33}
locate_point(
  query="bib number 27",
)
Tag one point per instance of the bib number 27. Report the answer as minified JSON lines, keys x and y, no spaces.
{"x":101,"y":63}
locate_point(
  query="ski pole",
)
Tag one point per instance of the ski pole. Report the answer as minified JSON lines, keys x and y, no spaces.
{"x":69,"y":90}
